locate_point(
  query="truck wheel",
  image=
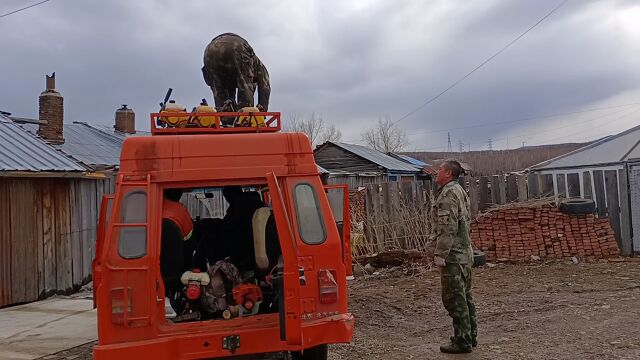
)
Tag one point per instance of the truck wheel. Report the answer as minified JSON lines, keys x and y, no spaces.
{"x":577,"y":206}
{"x":315,"y":353}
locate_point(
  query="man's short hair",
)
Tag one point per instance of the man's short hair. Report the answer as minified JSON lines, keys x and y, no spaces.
{"x":453,"y":166}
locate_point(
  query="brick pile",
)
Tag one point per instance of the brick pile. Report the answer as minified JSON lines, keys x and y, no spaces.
{"x":517,"y":234}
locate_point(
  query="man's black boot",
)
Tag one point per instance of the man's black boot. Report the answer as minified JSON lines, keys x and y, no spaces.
{"x":452,"y":348}
{"x":474,"y":342}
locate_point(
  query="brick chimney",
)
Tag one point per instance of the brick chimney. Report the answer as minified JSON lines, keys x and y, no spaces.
{"x":125,"y":120}
{"x":51,"y":117}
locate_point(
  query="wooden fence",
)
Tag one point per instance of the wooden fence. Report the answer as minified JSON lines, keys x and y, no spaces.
{"x":47,"y":235}
{"x":393,"y":210}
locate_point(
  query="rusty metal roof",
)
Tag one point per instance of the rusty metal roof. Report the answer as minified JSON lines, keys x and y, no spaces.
{"x":22,"y":151}
{"x":379,"y":158}
{"x":88,"y":145}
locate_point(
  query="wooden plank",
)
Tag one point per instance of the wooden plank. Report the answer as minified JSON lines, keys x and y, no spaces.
{"x":24,"y":254}
{"x":561,"y":181}
{"x":75,"y":229}
{"x":93,"y":226}
{"x":64,"y":271}
{"x":39,"y":237}
{"x":483,"y":195}
{"x":502,"y":184}
{"x":390,"y":204}
{"x":49,"y":237}
{"x":613,"y":204}
{"x":473,"y":196}
{"x":625,"y":213}
{"x":587,"y":189}
{"x":85,"y":222}
{"x":573,"y":185}
{"x":521,"y":182}
{"x":498,"y":190}
{"x":408,"y":197}
{"x":512,"y":188}
{"x":533,"y":183}
{"x":420,"y":196}
{"x":372,"y":201}
{"x":5,"y":243}
{"x":495,"y":190}
{"x":598,"y":190}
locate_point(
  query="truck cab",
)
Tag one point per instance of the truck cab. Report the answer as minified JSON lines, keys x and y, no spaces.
{"x":265,"y":273}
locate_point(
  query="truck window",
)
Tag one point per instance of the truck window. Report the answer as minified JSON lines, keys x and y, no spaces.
{"x":132,"y":243}
{"x":310,"y":222}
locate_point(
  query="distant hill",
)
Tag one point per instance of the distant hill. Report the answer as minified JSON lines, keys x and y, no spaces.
{"x":500,"y":161}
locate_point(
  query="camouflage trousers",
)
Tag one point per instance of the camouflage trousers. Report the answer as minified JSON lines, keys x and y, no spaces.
{"x":458,"y":300}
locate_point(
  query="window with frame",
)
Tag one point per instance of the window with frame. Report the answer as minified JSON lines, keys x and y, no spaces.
{"x":310,"y":222}
{"x":132,"y":240}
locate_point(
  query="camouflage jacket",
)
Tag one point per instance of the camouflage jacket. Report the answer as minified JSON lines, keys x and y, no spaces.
{"x":230,"y":63}
{"x":449,"y":217}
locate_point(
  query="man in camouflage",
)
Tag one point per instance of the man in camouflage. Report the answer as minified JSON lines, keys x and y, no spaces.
{"x":230,"y":64}
{"x":452,"y":252}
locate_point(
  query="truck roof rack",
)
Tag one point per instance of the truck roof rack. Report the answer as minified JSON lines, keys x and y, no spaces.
{"x":183,"y":123}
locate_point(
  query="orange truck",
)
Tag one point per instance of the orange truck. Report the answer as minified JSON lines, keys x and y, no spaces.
{"x":269,"y":277}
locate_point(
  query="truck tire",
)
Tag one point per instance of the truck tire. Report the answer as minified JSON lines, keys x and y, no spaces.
{"x":479,"y":258}
{"x":319,"y":352}
{"x":577,"y":206}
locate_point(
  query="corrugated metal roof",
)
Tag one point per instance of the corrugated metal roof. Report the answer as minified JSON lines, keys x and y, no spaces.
{"x":322,"y":170}
{"x":609,"y":150}
{"x":412,"y":161}
{"x":88,"y":145}
{"x":379,"y":158}
{"x":111,"y":131}
{"x":22,"y":151}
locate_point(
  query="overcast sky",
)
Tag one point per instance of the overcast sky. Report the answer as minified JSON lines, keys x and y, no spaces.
{"x":351,"y":61}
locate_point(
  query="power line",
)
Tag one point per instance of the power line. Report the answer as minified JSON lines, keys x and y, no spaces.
{"x":528,"y":135}
{"x":429,"y":101}
{"x":24,"y":8}
{"x":524,"y":119}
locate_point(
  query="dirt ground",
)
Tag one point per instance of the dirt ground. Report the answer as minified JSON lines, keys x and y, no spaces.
{"x":550,"y":311}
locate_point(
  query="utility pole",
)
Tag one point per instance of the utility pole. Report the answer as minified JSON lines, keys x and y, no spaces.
{"x":449,"y":149}
{"x":490,"y":144}
{"x":460,"y":146}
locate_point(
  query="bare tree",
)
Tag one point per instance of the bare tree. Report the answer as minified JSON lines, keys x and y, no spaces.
{"x":314,"y":127}
{"x":330,"y":133}
{"x":385,"y":136}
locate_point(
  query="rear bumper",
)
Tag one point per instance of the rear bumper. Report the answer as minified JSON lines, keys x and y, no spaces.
{"x":337,"y":329}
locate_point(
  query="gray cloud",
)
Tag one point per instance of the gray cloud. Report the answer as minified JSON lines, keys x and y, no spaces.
{"x":351,"y":61}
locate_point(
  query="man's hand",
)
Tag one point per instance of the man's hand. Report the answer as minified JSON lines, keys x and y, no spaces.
{"x":438,"y":261}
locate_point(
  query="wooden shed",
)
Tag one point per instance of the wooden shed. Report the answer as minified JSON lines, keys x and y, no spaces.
{"x":48,"y":214}
{"x":359,"y":165}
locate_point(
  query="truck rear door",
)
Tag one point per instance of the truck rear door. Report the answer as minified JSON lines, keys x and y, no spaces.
{"x":103,"y":221}
{"x":338,"y":196}
{"x":290,"y":320}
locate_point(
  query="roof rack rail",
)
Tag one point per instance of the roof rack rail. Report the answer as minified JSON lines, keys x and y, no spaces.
{"x":183,"y":123}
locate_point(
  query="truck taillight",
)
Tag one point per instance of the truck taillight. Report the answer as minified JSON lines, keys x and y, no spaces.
{"x":328,"y":286}
{"x":118,"y":304}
